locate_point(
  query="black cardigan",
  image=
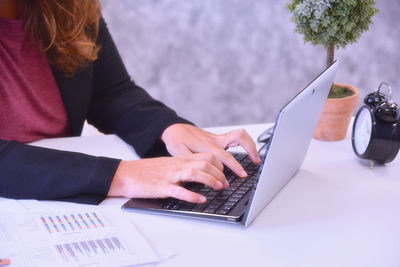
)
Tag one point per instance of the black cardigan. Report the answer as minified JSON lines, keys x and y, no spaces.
{"x":104,"y":94}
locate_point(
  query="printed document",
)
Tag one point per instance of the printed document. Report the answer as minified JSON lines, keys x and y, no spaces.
{"x":72,"y":237}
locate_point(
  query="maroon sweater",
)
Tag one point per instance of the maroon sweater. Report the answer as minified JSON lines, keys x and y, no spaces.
{"x":31,"y":107}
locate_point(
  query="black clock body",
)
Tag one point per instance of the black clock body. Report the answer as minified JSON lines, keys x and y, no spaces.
{"x":384,"y":142}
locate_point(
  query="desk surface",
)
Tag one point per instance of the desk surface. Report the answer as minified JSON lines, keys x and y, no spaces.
{"x":334,"y":212}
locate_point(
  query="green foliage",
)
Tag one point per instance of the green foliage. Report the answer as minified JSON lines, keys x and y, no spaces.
{"x":332,"y":22}
{"x":339,"y":92}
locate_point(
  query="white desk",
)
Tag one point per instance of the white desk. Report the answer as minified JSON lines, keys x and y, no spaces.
{"x":335,"y":212}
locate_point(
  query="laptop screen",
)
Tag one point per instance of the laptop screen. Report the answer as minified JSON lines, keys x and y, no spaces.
{"x":290,"y":140}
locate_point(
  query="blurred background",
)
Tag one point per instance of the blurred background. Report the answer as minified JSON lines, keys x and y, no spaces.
{"x":226,"y":62}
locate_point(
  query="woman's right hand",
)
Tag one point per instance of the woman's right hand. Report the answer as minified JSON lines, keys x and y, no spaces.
{"x":162,"y":177}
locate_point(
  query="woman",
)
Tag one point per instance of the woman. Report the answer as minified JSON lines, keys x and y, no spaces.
{"x":60,"y":67}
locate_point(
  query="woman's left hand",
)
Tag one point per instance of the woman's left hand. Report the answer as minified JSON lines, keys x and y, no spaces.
{"x":184,"y":139}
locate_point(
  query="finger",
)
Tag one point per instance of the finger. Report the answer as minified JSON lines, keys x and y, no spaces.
{"x":210,"y":157}
{"x":210,"y":169}
{"x":179,"y":150}
{"x":181,"y":193}
{"x":243,"y":139}
{"x":230,"y":161}
{"x":199,"y":176}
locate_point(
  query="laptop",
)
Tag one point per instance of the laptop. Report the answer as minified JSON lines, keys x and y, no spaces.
{"x":244,"y":199}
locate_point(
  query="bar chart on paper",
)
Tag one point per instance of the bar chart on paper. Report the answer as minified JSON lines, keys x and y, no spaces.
{"x":80,"y":238}
{"x":81,"y":251}
{"x":73,"y":222}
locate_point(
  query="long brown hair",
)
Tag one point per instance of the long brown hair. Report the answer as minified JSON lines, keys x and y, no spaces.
{"x":66,"y":30}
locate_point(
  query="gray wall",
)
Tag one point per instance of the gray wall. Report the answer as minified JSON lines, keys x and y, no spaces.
{"x":223,"y":62}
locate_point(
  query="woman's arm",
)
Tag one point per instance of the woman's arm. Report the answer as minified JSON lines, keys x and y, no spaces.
{"x":33,"y":172}
{"x":121,"y":107}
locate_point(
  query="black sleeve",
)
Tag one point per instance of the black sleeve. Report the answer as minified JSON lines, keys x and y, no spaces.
{"x":121,"y":107}
{"x":33,"y":172}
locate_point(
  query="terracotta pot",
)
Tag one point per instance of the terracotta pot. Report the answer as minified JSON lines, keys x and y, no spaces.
{"x":335,"y":118}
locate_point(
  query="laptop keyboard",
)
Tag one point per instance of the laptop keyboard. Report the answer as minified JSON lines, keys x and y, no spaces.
{"x":220,"y":201}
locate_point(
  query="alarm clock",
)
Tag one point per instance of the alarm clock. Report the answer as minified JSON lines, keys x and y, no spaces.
{"x":376,"y":128}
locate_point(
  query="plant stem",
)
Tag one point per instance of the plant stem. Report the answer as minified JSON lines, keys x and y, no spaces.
{"x":330,"y":56}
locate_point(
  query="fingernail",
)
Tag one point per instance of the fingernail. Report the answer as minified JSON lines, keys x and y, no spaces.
{"x":219,"y":185}
{"x":203,"y":199}
{"x":243,"y":173}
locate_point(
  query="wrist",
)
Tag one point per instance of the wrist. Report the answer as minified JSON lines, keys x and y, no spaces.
{"x":118,"y":181}
{"x":169,"y":131}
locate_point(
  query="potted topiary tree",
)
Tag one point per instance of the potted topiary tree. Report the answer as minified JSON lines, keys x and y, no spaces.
{"x":333,"y":23}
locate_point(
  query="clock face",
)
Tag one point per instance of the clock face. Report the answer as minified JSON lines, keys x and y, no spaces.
{"x":362,"y":131}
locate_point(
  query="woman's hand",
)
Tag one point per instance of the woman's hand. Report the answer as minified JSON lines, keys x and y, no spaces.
{"x":162,"y":177}
{"x":185,"y":139}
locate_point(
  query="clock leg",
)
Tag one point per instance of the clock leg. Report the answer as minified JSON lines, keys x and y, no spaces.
{"x":371,"y":164}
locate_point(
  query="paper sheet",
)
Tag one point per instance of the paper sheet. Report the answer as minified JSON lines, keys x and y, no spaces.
{"x":78,"y":237}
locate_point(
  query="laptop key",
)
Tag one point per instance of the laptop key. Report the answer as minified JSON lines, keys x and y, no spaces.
{"x":234,"y":198}
{"x":246,"y":188}
{"x":213,"y":206}
{"x":231,"y":189}
{"x":230,"y":179}
{"x":209,"y":210}
{"x":230,"y":203}
{"x":186,"y":206}
{"x":218,"y":202}
{"x":198,"y":207}
{"x":203,"y":190}
{"x":222,"y":212}
{"x":175,"y":207}
{"x":211,"y":195}
{"x":226,"y":208}
{"x":235,"y":184}
{"x":251,"y":171}
{"x":248,"y":183}
{"x":227,"y":193}
{"x":221,"y":197}
{"x":239,"y":156}
{"x":240,"y":191}
{"x":170,"y":204}
{"x":236,"y":195}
